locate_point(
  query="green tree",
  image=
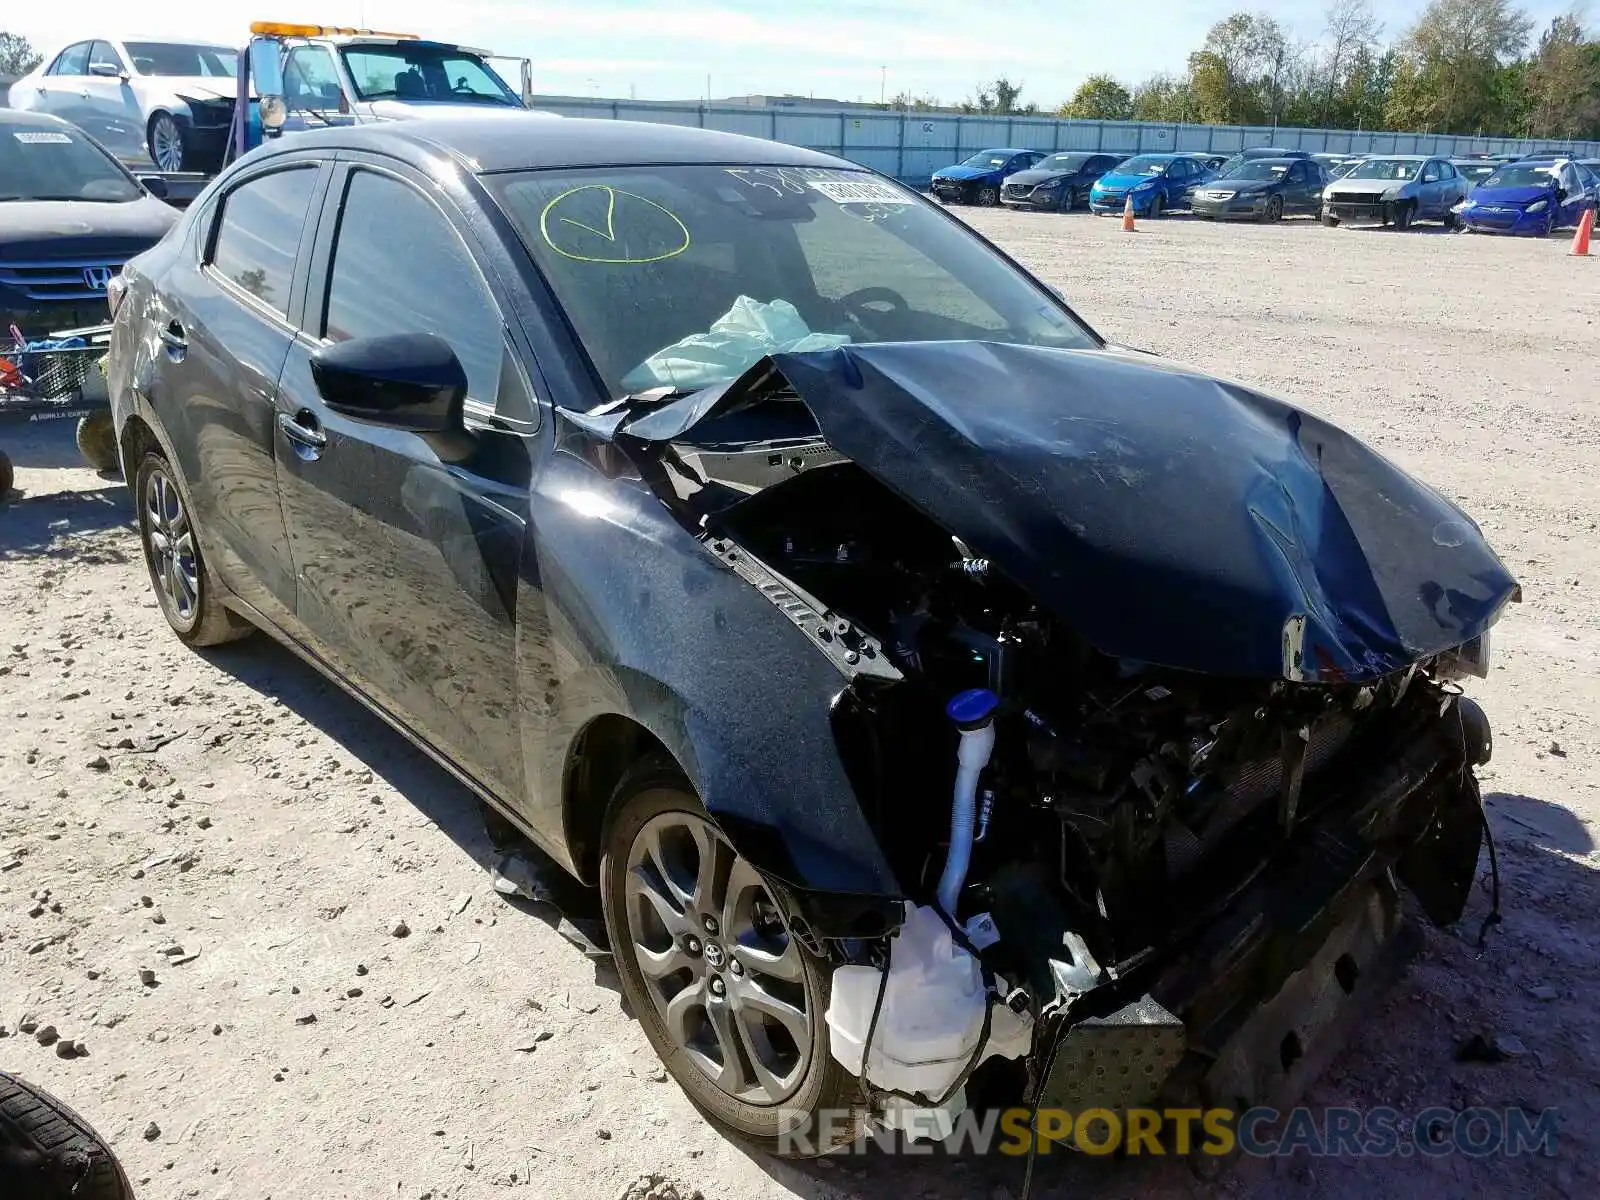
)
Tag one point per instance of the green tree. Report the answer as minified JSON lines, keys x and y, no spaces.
{"x":1235,"y":76}
{"x":906,"y":102}
{"x":1351,"y":30}
{"x":998,"y":99}
{"x":1099,"y":98}
{"x":1447,"y":79}
{"x":17,"y":55}
{"x":1562,"y":83}
{"x":1164,"y":97}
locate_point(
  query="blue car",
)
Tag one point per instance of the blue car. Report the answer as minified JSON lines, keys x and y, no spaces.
{"x":1157,"y":183}
{"x":1531,"y":196}
{"x":978,"y":180}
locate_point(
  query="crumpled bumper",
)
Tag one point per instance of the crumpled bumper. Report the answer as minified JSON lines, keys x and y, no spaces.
{"x":1522,"y":223}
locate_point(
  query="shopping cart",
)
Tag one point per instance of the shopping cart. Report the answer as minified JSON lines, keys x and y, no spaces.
{"x":58,"y":378}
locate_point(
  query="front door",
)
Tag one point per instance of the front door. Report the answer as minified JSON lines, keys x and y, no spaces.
{"x":225,"y":334}
{"x":111,"y":104}
{"x":407,"y":547}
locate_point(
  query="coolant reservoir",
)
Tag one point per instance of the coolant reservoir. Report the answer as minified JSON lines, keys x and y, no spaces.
{"x":932,"y":1015}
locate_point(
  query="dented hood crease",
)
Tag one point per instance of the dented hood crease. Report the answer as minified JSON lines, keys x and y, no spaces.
{"x":1167,"y":516}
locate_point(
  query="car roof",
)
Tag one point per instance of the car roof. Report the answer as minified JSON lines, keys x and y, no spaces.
{"x":1275,"y":162}
{"x":514,"y":141}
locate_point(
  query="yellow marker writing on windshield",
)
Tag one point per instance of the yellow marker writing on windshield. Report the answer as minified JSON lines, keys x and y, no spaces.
{"x":567,"y":235}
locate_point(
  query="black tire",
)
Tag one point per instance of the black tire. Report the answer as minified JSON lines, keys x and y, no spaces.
{"x":49,"y":1151}
{"x":205,"y":621}
{"x":651,"y":790}
{"x":97,"y":442}
{"x":1330,"y":221}
{"x":1401,"y":216}
{"x":8,"y":476}
{"x":1451,"y":221}
{"x":1069,"y":199}
{"x":988,"y":196}
{"x":1158,"y":206}
{"x":1274,"y":212}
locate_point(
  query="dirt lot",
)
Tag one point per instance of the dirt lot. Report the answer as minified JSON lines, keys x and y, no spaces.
{"x":297,"y":1048}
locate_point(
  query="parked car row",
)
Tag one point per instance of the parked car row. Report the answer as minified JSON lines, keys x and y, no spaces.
{"x":1503,"y":194}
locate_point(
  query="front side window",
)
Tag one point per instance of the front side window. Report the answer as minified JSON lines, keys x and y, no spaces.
{"x":103,"y":56}
{"x":439,"y":289}
{"x":57,"y":162}
{"x":74,"y":60}
{"x":425,"y":73}
{"x":684,"y":276}
{"x":258,"y":233}
{"x":183,"y":58}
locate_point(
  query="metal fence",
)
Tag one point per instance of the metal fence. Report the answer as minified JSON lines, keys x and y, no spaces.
{"x":911,"y":146}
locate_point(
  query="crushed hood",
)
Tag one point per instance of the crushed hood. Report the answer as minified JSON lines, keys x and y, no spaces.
{"x":1167,"y":516}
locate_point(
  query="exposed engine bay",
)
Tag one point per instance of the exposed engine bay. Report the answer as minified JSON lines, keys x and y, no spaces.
{"x":1085,"y":826}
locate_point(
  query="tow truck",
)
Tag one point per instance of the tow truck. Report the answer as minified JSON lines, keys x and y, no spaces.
{"x":295,"y":77}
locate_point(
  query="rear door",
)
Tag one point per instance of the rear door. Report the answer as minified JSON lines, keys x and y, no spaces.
{"x":407,"y":547}
{"x":225,"y":325}
{"x":59,"y":91}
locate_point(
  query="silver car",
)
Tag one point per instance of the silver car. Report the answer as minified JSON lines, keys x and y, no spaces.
{"x":168,"y":101}
{"x":1395,"y":189}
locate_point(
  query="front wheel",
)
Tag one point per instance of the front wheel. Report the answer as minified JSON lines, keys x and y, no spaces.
{"x":988,"y":196}
{"x":1402,"y":216}
{"x":172,"y":553}
{"x":1157,"y":204}
{"x":728,"y":997}
{"x":1331,"y":221}
{"x":169,"y":148}
{"x":1274,"y":212}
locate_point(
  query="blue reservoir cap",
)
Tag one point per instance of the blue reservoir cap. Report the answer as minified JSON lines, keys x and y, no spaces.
{"x":972,"y":708}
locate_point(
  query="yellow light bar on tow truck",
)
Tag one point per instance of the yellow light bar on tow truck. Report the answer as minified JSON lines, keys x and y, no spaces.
{"x":289,"y":29}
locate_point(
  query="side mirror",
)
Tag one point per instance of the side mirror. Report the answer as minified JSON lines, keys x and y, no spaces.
{"x":106,"y":71}
{"x":155,"y":185}
{"x":410,"y":381}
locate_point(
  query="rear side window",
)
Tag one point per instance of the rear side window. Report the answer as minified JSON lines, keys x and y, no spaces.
{"x":74,"y":60}
{"x":438,"y":289}
{"x":259,"y":232}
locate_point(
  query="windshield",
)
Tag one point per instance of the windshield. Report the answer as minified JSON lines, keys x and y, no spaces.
{"x":1521,"y":176}
{"x":178,"y":58}
{"x":43,"y":162}
{"x":684,"y":277}
{"x":425,"y":73}
{"x":1402,"y":169}
{"x":1143,"y":166}
{"x":1064,"y":162}
{"x":1259,"y":168}
{"x":988,"y":158}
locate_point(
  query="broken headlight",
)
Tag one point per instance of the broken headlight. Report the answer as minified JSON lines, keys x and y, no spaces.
{"x":1469,"y":658}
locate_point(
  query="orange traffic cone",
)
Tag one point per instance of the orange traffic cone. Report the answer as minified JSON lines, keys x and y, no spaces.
{"x":1580,"y":240}
{"x":1127,"y":216}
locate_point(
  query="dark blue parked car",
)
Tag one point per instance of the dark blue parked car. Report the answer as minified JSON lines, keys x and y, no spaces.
{"x":1533,"y":196}
{"x":978,"y":180}
{"x":1157,"y":183}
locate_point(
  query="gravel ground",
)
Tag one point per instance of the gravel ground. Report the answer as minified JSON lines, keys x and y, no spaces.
{"x":354,"y":1011}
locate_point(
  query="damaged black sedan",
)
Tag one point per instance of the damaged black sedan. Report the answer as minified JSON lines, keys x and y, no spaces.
{"x":941,"y":698}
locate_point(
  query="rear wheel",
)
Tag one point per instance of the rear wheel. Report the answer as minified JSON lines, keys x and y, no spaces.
{"x":727,"y":996}
{"x":172,"y":553}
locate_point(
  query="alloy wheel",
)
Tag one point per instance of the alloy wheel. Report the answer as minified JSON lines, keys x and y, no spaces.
{"x":718,"y":960}
{"x":174,"y":565}
{"x":166,"y":143}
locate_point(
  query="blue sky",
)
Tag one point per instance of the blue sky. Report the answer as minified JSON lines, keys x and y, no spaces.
{"x":665,"y":49}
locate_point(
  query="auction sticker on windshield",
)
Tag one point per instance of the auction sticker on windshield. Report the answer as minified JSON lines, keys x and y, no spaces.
{"x":33,"y":137}
{"x":869,"y":192}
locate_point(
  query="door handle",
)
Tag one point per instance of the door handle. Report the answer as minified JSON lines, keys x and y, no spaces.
{"x":172,"y":338}
{"x":303,"y":428}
